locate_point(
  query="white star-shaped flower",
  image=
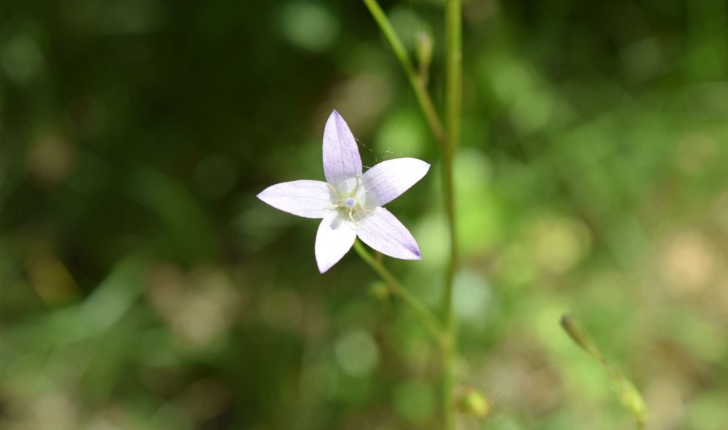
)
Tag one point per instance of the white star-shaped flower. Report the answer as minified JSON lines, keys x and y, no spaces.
{"x":350,"y":202}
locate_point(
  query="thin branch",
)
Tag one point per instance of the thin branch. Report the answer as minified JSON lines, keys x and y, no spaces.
{"x":428,"y":108}
{"x":453,"y":107}
{"x":428,"y":318}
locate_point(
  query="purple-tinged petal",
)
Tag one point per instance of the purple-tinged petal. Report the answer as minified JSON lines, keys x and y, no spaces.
{"x":388,"y":179}
{"x":308,"y":199}
{"x":334,"y":239}
{"x":341,"y":154}
{"x":383,"y":232}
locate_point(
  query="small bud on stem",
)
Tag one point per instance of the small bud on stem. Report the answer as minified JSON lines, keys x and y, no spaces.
{"x":471,"y":402}
{"x":424,"y":56}
{"x":380,"y":291}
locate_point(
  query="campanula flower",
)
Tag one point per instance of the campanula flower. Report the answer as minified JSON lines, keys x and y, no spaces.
{"x":350,"y":201}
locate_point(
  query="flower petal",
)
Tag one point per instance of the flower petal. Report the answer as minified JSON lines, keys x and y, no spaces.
{"x":383,"y":232}
{"x":341,"y":154}
{"x":334,"y":239}
{"x":308,"y":199}
{"x":388,"y":179}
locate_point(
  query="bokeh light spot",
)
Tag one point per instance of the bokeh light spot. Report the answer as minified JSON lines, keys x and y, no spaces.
{"x":402,"y":134}
{"x":472,"y":298}
{"x":309,"y":26}
{"x":356,"y":353}
{"x":22,"y":58}
{"x":414,"y":401}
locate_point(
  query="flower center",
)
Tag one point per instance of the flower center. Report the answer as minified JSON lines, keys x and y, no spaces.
{"x":349,"y":198}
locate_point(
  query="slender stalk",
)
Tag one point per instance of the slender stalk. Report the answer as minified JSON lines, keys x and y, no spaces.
{"x":428,"y":318}
{"x":453,"y":103}
{"x":628,"y":394}
{"x":428,"y":108}
{"x":447,"y":356}
{"x":453,"y":100}
{"x":453,"y":71}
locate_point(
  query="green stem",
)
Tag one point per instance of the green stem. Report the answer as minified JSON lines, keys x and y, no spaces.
{"x":453,"y":71}
{"x":428,"y":108}
{"x":453,"y":106}
{"x":453,"y":102}
{"x":448,"y":352}
{"x":428,"y":318}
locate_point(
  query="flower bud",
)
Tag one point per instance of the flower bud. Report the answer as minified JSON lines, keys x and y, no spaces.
{"x":579,"y":335}
{"x":471,"y":402}
{"x":424,"y":48}
{"x":424,"y":55}
{"x":379,"y":291}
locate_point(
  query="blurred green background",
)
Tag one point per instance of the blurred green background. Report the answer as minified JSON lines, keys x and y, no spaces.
{"x":143,"y":286}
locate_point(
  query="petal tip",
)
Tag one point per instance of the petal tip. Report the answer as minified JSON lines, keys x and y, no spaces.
{"x":414,"y":249}
{"x":321,"y":266}
{"x":324,"y":267}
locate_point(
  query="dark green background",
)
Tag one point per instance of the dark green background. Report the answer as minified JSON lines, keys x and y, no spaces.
{"x":143,"y":286}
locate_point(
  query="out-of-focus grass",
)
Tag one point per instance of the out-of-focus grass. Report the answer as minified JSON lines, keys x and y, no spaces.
{"x":143,"y":286}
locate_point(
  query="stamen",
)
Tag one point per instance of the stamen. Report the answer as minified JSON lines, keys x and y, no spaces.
{"x":356,"y":187}
{"x":335,"y":190}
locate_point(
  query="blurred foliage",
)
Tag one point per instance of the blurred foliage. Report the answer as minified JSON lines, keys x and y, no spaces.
{"x":143,"y":286}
